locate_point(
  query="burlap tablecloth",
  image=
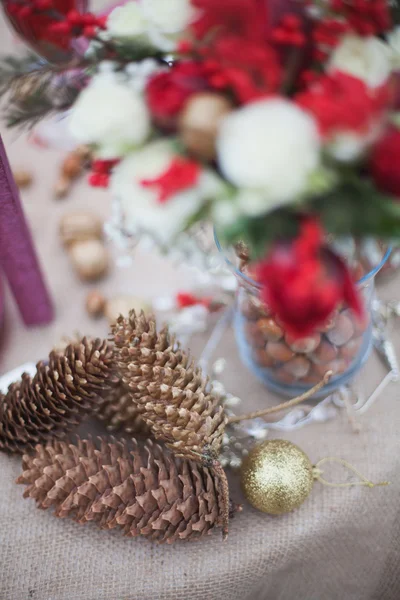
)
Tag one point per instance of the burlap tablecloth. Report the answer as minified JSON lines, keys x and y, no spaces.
{"x":342,"y":544}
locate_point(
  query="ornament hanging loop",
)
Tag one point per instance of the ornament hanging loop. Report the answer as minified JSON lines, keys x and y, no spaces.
{"x":364,"y":481}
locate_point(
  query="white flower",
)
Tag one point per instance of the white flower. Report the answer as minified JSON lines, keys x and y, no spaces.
{"x":366,"y":58}
{"x":110,"y":114}
{"x":270,"y":148}
{"x":158,"y":23}
{"x":128,"y":22}
{"x":393,"y":39}
{"x":167,"y":19}
{"x":143,"y":212}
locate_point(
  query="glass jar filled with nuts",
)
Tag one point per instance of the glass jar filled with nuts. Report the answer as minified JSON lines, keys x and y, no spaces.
{"x":289,"y":365}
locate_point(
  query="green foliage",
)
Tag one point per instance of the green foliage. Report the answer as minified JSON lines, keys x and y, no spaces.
{"x":357,"y":208}
{"x":395,"y":11}
{"x":33,"y":88}
{"x":258,"y":233}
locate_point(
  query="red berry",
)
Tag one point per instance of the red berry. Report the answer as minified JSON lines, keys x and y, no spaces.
{"x":61,"y":28}
{"x":102,"y":22}
{"x":185,"y":47}
{"x":43,"y":4}
{"x":89,"y":31}
{"x":88,"y":19}
{"x":74,"y":17}
{"x":291,"y":21}
{"x":25,"y":11}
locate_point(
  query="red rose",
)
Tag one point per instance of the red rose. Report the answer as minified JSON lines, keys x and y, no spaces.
{"x":168,"y":91}
{"x":342,"y":102}
{"x":303,"y":281}
{"x":385,"y":161}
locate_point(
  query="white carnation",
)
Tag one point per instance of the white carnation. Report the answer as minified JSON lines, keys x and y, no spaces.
{"x":143,"y":212}
{"x":158,"y":23}
{"x":270,"y":148}
{"x":393,"y":39}
{"x":366,"y":58}
{"x":110,"y":114}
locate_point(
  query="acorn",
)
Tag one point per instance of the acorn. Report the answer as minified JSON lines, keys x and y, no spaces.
{"x":199,"y":123}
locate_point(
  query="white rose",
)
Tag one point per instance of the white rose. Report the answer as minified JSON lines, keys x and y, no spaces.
{"x":393,"y":39}
{"x":158,"y":23}
{"x":366,"y":58}
{"x":143,"y":212}
{"x":270,"y":147}
{"x":167,"y":19}
{"x":110,"y":114}
{"x":128,"y":22}
{"x":348,"y":146}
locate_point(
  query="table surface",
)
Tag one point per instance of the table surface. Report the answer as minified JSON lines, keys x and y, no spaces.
{"x":342,"y":543}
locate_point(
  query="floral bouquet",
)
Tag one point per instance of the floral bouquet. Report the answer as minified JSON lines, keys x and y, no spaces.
{"x":274,"y":119}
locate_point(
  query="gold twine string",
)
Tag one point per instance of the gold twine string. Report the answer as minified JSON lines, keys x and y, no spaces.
{"x":283,"y":405}
{"x":363,"y":480}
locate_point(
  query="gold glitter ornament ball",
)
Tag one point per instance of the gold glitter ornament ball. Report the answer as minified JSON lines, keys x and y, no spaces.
{"x":277,"y":477}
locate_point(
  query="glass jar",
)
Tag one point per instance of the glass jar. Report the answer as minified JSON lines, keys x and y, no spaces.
{"x":290,"y":366}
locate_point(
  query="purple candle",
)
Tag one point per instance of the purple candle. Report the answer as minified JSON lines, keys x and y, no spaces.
{"x":17,"y":254}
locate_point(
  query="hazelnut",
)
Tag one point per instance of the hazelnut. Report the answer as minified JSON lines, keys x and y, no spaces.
{"x":269,"y":328}
{"x":263,"y":359}
{"x":342,"y":332}
{"x":95,"y":304}
{"x":23,"y":178}
{"x":80,"y":226}
{"x":359,"y":325}
{"x":90,"y":259}
{"x":303,"y":345}
{"x":350,"y":350}
{"x":299,"y":366}
{"x":329,"y":323}
{"x":199,"y":123}
{"x":71,"y":167}
{"x":284,"y":377}
{"x":62,"y":187}
{"x":337,"y":366}
{"x":279,"y":351}
{"x":324,"y":353}
{"x":254,"y":336}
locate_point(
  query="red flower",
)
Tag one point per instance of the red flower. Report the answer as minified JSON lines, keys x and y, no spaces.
{"x":342,"y":102}
{"x":385,"y":161}
{"x":180,"y":175}
{"x":366,"y":17}
{"x":167,"y":92}
{"x":243,"y":67}
{"x":245,"y":18}
{"x":303,"y":281}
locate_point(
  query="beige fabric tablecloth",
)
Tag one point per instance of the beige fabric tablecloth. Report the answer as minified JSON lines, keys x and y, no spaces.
{"x":342,"y":544}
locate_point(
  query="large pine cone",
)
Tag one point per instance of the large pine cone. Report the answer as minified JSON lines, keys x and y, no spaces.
{"x":145,"y":492}
{"x":56,"y":399}
{"x":118,"y":411}
{"x":170,"y":392}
